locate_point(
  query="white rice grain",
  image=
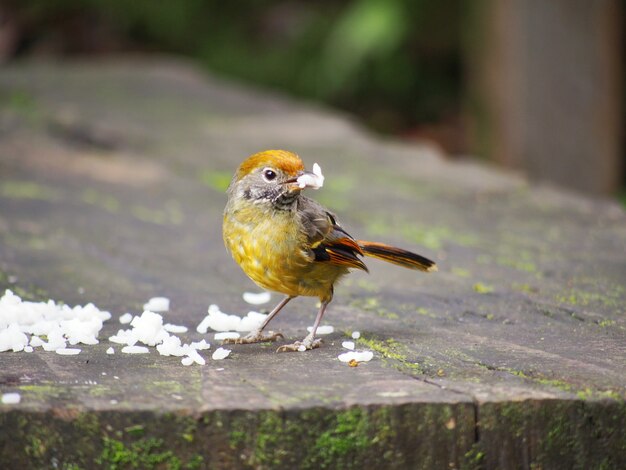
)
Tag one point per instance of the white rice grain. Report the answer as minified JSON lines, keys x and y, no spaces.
{"x":11,"y":398}
{"x":186,"y":361}
{"x":259,"y":298}
{"x":322,"y":329}
{"x":226,"y":335}
{"x":135,"y":350}
{"x":200,"y":345}
{"x":157,"y":304}
{"x":220,"y":321}
{"x":175,"y":328}
{"x":358,"y":356}
{"x":12,"y":338}
{"x":149,"y":328}
{"x":68,"y":351}
{"x":196,"y":357}
{"x":126,"y":318}
{"x":59,"y":323}
{"x":220,"y":353}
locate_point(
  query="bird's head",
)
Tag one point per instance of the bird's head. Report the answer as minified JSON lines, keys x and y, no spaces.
{"x":269,"y":177}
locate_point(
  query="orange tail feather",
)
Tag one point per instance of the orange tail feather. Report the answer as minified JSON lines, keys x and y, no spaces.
{"x":398,"y":256}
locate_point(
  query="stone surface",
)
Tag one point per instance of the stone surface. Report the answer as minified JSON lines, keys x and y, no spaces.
{"x":112,"y":178}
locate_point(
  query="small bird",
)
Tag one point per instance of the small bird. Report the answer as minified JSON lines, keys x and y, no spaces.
{"x":288,"y":243}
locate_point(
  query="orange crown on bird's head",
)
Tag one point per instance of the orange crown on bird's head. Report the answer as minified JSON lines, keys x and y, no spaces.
{"x":283,"y":160}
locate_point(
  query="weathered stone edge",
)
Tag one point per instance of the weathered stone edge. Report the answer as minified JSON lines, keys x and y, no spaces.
{"x":522,"y":434}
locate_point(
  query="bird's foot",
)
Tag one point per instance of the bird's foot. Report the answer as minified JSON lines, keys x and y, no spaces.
{"x":307,"y":343}
{"x":254,"y":337}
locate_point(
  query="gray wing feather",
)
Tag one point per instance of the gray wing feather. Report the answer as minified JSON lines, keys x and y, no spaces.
{"x":317,"y":222}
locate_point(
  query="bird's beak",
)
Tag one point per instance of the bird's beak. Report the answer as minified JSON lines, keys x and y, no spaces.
{"x":294,"y":184}
{"x":306,"y":179}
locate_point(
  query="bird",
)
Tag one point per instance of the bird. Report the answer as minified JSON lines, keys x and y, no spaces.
{"x":288,"y":243}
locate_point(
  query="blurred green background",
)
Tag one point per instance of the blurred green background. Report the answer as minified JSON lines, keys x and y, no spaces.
{"x":395,"y":63}
{"x":418,"y":69}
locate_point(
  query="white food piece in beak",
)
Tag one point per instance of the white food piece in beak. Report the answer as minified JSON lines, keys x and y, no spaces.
{"x":314,"y":180}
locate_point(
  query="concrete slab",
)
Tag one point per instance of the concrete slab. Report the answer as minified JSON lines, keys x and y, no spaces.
{"x":112,"y":178}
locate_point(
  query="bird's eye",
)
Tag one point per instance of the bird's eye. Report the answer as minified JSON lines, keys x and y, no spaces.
{"x":269,"y":174}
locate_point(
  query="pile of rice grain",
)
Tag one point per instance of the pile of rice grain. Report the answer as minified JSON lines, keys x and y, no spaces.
{"x":23,"y":325}
{"x":148,"y":328}
{"x":53,"y":326}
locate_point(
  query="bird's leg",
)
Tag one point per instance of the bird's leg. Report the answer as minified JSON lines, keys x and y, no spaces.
{"x":309,"y":342}
{"x":257,"y":336}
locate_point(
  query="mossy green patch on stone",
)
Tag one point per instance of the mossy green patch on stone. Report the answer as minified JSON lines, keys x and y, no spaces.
{"x":556,"y":383}
{"x":30,"y":241}
{"x":39,"y":442}
{"x":349,"y":434}
{"x":484,"y":259}
{"x":28,"y":190}
{"x":584,"y":298}
{"x":103,"y":201}
{"x":387,"y":314}
{"x":527,"y":288}
{"x":28,"y":292}
{"x":425,"y":312}
{"x":237,"y":437}
{"x":367,"y":285}
{"x":36,"y":447}
{"x":170,"y":214}
{"x":515,"y":253}
{"x":135,"y":430}
{"x":591,"y":291}
{"x":146,"y":453}
{"x":217,"y":180}
{"x":521,"y":263}
{"x":20,"y":102}
{"x":460,"y":272}
{"x":391,"y":349}
{"x":70,"y":466}
{"x":261,"y":439}
{"x":388,"y":348}
{"x":427,"y":435}
{"x":539,"y":379}
{"x":553,"y":433}
{"x":431,"y":237}
{"x":99,"y":390}
{"x":336,"y":192}
{"x":88,"y":423}
{"x":591,"y":394}
{"x":87,"y":439}
{"x":323,"y":439}
{"x":483,"y":288}
{"x":167,"y":386}
{"x":372,"y":304}
{"x":473,"y":458}
{"x":43,"y":391}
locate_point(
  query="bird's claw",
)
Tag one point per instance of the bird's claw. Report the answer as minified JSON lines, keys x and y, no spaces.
{"x":303,"y":345}
{"x":254,"y":337}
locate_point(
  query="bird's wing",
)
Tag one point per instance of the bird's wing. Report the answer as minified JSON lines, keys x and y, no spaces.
{"x":327,"y":241}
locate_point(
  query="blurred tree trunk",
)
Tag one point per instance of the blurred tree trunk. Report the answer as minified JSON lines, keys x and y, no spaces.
{"x":545,"y":88}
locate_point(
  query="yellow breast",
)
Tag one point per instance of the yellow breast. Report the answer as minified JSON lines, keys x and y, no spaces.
{"x":273,"y":252}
